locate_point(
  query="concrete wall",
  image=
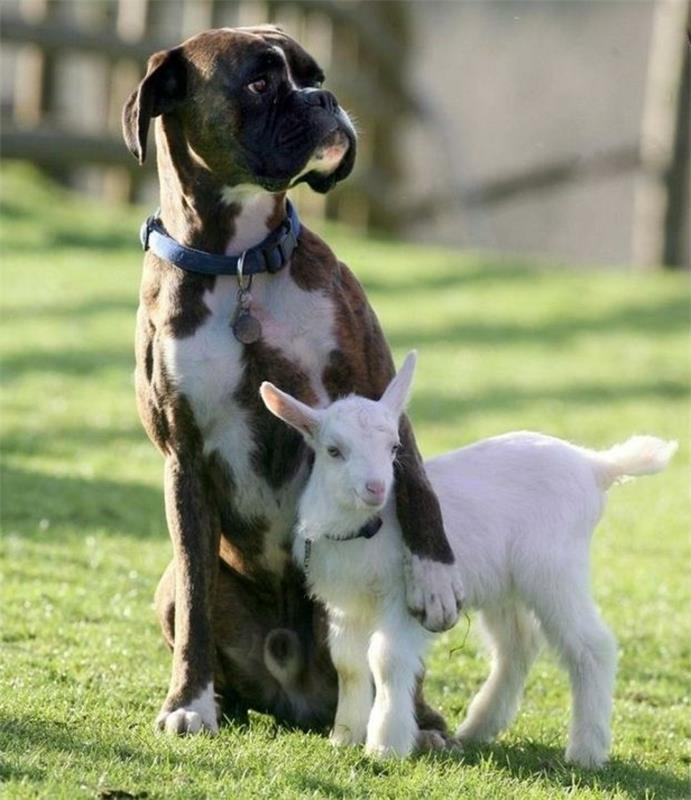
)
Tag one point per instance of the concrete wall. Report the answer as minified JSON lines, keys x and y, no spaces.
{"x":512,"y":86}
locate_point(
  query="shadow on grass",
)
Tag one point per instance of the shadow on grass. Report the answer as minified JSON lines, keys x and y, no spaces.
{"x":65,"y":441}
{"x":96,"y":239}
{"x":453,"y":277}
{"x":33,"y":735}
{"x":65,"y":231}
{"x":671,"y":315}
{"x":532,"y":760}
{"x":116,"y":508}
{"x":66,"y":361}
{"x":72,"y":312}
{"x":428,"y":406}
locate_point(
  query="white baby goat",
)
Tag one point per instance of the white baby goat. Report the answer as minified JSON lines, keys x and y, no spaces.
{"x":519,"y":511}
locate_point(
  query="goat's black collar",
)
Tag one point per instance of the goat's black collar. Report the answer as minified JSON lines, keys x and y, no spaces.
{"x":367,"y":531}
{"x":270,"y":255}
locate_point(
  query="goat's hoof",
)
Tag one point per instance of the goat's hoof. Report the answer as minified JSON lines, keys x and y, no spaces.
{"x":476,"y":733}
{"x":344,"y":736}
{"x":386,"y":751}
{"x":585,"y":757}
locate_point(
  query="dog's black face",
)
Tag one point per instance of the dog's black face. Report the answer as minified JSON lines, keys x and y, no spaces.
{"x":251,"y":108}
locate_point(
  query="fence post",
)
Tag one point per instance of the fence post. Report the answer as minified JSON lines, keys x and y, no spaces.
{"x":30,"y":72}
{"x":653,"y":199}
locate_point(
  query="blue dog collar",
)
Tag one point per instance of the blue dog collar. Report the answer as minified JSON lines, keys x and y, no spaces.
{"x":271,"y":255}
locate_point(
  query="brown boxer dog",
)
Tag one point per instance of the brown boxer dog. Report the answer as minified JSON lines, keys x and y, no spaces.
{"x":240,"y":118}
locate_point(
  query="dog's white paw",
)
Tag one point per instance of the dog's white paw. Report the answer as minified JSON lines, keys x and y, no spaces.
{"x":434,"y":592}
{"x":200,"y":714}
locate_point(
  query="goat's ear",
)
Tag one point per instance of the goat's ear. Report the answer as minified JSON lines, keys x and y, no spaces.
{"x":396,"y":395}
{"x":162,"y":89}
{"x":285,"y":407}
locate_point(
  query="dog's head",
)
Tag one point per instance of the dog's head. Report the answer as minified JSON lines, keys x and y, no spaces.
{"x":250,"y":107}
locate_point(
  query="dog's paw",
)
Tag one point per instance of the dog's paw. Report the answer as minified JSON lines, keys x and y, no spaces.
{"x":429,"y":741}
{"x":200,"y":714}
{"x":434,"y":592}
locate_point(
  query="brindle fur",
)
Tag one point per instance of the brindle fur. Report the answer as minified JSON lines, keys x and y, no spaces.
{"x":216,"y":622}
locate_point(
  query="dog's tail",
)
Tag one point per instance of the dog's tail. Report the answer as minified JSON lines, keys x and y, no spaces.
{"x":639,"y":455}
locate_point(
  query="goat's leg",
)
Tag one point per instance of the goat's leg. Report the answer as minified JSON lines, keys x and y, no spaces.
{"x":348,"y":645}
{"x":588,"y":650}
{"x":395,"y":658}
{"x":513,"y":636}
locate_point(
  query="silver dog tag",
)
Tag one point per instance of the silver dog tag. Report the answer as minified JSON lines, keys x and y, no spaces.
{"x":247,"y":329}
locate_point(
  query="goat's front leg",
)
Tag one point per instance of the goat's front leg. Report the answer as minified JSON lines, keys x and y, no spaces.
{"x":395,"y":658}
{"x":434,"y":592}
{"x":190,"y":705}
{"x":348,"y":644}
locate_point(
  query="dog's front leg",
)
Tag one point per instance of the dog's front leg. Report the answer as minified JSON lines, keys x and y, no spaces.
{"x":434,"y":592}
{"x":190,"y":705}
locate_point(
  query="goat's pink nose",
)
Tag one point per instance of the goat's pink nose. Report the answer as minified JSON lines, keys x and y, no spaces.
{"x":375,"y":488}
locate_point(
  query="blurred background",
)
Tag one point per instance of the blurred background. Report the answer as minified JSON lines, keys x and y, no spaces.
{"x":542,"y":142}
{"x":557,"y":129}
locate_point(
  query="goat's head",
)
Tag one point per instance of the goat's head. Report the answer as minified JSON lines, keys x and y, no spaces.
{"x":355,"y":440}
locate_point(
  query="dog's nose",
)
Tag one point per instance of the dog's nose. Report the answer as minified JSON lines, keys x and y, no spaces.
{"x":323,"y":98}
{"x":375,"y":490}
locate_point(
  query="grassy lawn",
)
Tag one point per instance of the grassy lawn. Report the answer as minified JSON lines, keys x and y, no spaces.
{"x":589,"y":355}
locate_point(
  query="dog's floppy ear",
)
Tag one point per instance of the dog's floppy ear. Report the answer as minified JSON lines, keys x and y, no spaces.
{"x":161,"y":90}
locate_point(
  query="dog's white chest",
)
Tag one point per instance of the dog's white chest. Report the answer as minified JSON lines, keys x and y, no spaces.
{"x":299,"y":325}
{"x":207,"y":367}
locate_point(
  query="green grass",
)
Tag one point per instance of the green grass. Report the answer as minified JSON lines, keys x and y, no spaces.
{"x":590,"y":355}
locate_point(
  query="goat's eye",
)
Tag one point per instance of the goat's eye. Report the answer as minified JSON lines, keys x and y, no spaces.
{"x":395,"y":450}
{"x":334,"y":452}
{"x":260,"y":86}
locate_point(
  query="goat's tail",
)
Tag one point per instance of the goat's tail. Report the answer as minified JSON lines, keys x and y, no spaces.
{"x":639,"y":455}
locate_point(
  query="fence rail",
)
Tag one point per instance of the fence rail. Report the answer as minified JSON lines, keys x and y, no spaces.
{"x":51,"y":124}
{"x":65,"y":115}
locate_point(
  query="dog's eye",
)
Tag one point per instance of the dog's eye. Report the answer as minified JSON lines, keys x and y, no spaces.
{"x":334,"y":452}
{"x":395,"y":450}
{"x":260,"y":86}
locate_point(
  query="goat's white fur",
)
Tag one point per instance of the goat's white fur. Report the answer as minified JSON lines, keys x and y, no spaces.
{"x":519,"y":511}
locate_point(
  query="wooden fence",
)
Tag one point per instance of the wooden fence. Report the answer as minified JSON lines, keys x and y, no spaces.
{"x":74,"y":62}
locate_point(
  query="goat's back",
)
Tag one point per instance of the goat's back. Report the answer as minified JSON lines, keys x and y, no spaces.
{"x":513,"y":502}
